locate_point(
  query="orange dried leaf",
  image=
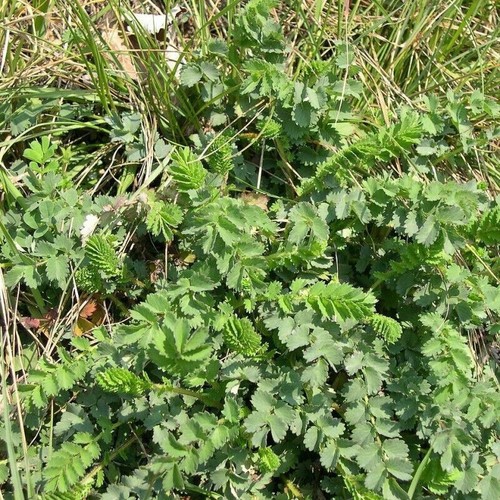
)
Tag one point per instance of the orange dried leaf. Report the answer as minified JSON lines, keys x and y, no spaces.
{"x":89,"y":309}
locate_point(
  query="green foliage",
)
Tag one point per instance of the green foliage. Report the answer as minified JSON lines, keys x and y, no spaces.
{"x":102,"y":269}
{"x":187,"y":170}
{"x":319,"y":373}
{"x":387,"y":328}
{"x":240,"y":336}
{"x":51,"y":379}
{"x":68,"y":464}
{"x":292,"y":321}
{"x":41,"y":155}
{"x":220,"y":154}
{"x":341,"y":301}
{"x":268,"y":460}
{"x":388,"y":143}
{"x":102,"y":256}
{"x":488,"y":227}
{"x":89,"y":280}
{"x":271,"y":129}
{"x":121,"y":381}
{"x":162,"y":218}
{"x":77,"y":492}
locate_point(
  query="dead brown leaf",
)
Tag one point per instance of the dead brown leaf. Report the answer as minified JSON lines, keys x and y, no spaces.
{"x":115,"y":42}
{"x":257,"y":199}
{"x":91,"y":316}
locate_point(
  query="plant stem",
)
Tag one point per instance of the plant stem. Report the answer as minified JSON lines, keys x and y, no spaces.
{"x":418,"y":474}
{"x":115,"y":453}
{"x":186,"y":392}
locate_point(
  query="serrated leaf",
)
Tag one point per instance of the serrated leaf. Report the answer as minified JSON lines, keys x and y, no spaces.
{"x":329,"y":454}
{"x":302,"y":114}
{"x":220,"y":436}
{"x":392,"y":491}
{"x":210,"y":71}
{"x":468,"y":479}
{"x":369,"y":456}
{"x":268,"y":460}
{"x":14,"y":275}
{"x":190,"y":75}
{"x":341,"y":300}
{"x":324,"y":345}
{"x":402,"y":469}
{"x":395,"y":448}
{"x":411,"y":225}
{"x":187,"y":170}
{"x":315,"y":99}
{"x":429,"y":231}
{"x":231,"y":410}
{"x":278,"y":427}
{"x":375,"y":477}
{"x":50,"y":385}
{"x":38,"y":397}
{"x":489,"y":486}
{"x":316,"y":373}
{"x":58,"y":269}
{"x":218,"y":46}
{"x":178,"y":349}
{"x":263,"y":401}
{"x":313,"y":438}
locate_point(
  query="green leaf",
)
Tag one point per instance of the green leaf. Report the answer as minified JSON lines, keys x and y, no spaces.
{"x":190,"y":75}
{"x":303,"y":114}
{"x":218,"y":46}
{"x":102,"y":255}
{"x":268,"y":460}
{"x":16,"y":274}
{"x":231,"y":410}
{"x":468,"y":479}
{"x":263,"y":401}
{"x":389,"y":329}
{"x":340,"y":300}
{"x":120,"y":380}
{"x":178,"y":349}
{"x":280,"y":421}
{"x":411,"y":226}
{"x":313,"y":438}
{"x":220,"y":436}
{"x":375,"y":477}
{"x":489,"y":486}
{"x":429,"y":232}
{"x":392,"y":491}
{"x":329,"y":454}
{"x":240,"y":336}
{"x":323,"y":344}
{"x":173,"y":479}
{"x":307,"y":221}
{"x":162,"y":217}
{"x":187,"y":170}
{"x":315,"y":374}
{"x":369,"y":456}
{"x":209,"y":70}
{"x":402,"y":469}
{"x":58,"y":269}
